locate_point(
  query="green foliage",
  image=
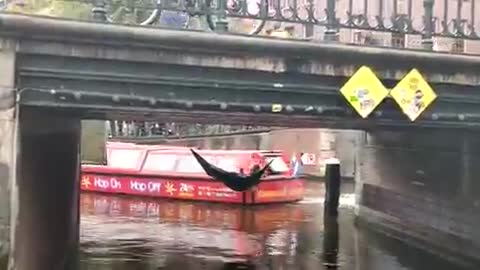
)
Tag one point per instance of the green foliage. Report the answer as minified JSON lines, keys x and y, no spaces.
{"x":120,"y":11}
{"x":53,"y":8}
{"x":130,"y":12}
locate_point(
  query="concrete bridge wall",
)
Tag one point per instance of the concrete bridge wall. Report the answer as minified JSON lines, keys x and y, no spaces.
{"x":423,"y":185}
{"x":7,"y":147}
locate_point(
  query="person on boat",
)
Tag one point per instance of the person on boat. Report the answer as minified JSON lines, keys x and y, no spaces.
{"x":297,"y":165}
{"x":255,"y":168}
{"x":233,"y":180}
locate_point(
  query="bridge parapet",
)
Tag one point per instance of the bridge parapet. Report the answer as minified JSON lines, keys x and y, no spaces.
{"x":46,"y":36}
{"x":102,"y":68}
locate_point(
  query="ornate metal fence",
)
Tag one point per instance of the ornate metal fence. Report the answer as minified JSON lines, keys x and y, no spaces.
{"x":427,"y":19}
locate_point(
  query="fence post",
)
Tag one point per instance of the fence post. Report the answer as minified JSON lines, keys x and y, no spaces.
{"x":222,"y":23}
{"x":99,"y":11}
{"x":427,"y":37}
{"x":332,"y":25}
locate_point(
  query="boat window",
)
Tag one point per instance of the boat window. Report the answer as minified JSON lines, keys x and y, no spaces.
{"x":228,"y":164}
{"x":160,"y":162}
{"x":189,"y":164}
{"x":124,"y":158}
{"x":278,"y":165}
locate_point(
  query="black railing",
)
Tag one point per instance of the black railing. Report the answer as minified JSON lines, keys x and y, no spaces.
{"x":144,"y":129}
{"x":416,"y":17}
{"x":325,"y":18}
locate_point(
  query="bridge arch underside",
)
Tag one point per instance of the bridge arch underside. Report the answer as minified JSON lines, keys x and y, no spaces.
{"x":414,"y":179}
{"x":112,"y":89}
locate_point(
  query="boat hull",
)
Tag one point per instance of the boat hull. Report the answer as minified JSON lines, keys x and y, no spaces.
{"x":198,"y":189}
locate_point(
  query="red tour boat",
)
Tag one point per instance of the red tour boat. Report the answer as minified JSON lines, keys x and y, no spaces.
{"x":173,"y":172}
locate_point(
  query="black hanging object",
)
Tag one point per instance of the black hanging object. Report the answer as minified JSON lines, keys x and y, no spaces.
{"x":232,"y":180}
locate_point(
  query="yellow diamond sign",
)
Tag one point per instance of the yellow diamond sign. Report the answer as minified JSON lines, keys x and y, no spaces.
{"x":364,"y":91}
{"x":413,"y":94}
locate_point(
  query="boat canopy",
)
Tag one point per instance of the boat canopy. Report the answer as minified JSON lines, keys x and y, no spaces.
{"x":171,"y":159}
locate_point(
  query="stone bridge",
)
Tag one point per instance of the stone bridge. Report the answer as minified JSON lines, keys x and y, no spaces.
{"x":412,"y":177}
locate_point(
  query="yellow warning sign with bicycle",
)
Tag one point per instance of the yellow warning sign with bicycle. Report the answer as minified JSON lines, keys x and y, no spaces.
{"x":364,"y":91}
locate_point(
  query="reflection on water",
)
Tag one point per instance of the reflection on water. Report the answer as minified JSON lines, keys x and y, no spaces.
{"x":136,"y":233}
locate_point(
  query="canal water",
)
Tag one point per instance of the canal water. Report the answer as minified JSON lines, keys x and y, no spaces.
{"x":127,"y":233}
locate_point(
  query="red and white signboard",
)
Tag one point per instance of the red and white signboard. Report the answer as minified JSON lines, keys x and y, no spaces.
{"x":309,"y":159}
